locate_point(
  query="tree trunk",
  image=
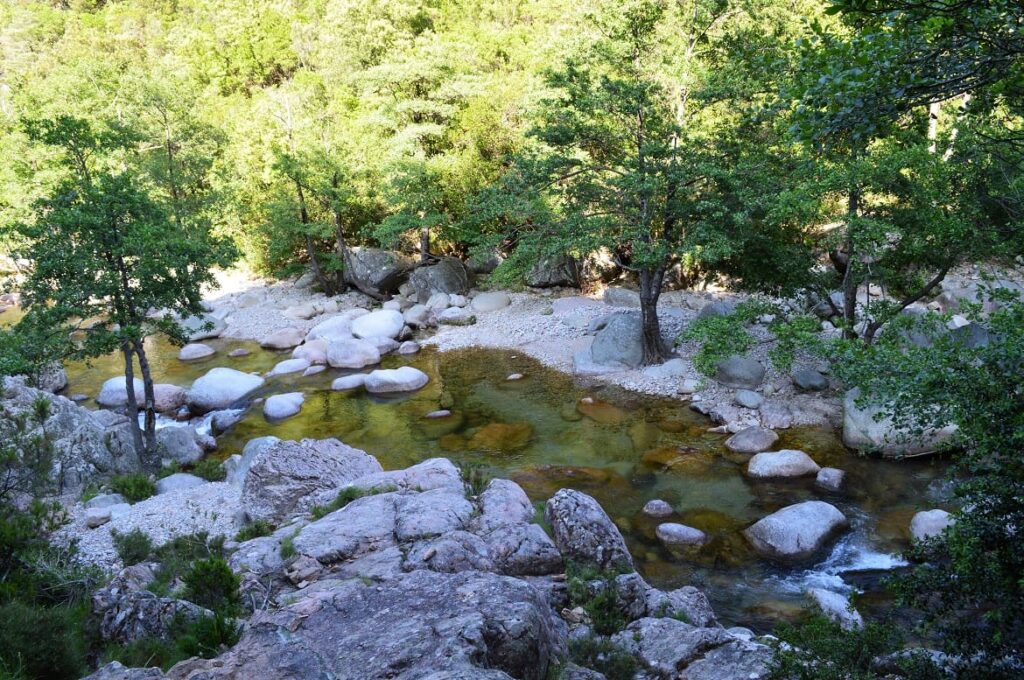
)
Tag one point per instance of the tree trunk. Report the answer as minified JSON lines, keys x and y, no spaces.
{"x":340,"y":247}
{"x":149,"y":431}
{"x":132,"y":406}
{"x":314,"y":263}
{"x":424,"y":244}
{"x":849,"y":279}
{"x":654,"y":351}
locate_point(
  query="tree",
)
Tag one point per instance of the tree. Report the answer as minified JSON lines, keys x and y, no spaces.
{"x":624,"y":141}
{"x":104,"y":254}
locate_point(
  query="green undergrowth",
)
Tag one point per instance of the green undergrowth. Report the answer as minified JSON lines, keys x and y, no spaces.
{"x":604,"y":656}
{"x":600,"y":603}
{"x":255,"y":529}
{"x":134,"y":487}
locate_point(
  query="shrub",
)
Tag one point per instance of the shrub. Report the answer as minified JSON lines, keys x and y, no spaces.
{"x":133,"y":547}
{"x":210,"y":583}
{"x":208,"y":636}
{"x":167,"y":470}
{"x":176,"y":558}
{"x":604,"y":656}
{"x":256,"y":529}
{"x":288,"y":547}
{"x":135,"y":487}
{"x":602,"y":603}
{"x":720,"y":337}
{"x":210,"y":469}
{"x":43,"y":642}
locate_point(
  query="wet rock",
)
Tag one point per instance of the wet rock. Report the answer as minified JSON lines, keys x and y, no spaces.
{"x":796,"y":532}
{"x":284,"y":474}
{"x":830,"y":479}
{"x":784,"y":463}
{"x":220,"y":388}
{"x":447,"y":276}
{"x":929,"y":523}
{"x":502,"y":437}
{"x":490,"y":301}
{"x":286,"y":338}
{"x":657,"y":508}
{"x":177,"y":482}
{"x":836,"y":607}
{"x":601,"y":411}
{"x":751,"y":440}
{"x":584,"y":533}
{"x":282,"y":406}
{"x":240,"y":352}
{"x":168,"y":398}
{"x":352,"y":353}
{"x":195,"y":350}
{"x":402,"y":379}
{"x":740,"y":372}
{"x":809,"y":380}
{"x":409,"y":347}
{"x":672,"y":534}
{"x":313,"y":370}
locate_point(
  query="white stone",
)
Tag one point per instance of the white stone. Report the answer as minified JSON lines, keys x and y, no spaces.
{"x":352,"y":353}
{"x":220,"y":388}
{"x":349,"y":382}
{"x":929,"y":523}
{"x":671,"y":533}
{"x":313,"y":351}
{"x":285,"y":338}
{"x":97,"y":517}
{"x":195,"y":350}
{"x":837,"y":607}
{"x":289,"y":366}
{"x":657,"y":508}
{"x":402,"y":379}
{"x":283,"y":405}
{"x":114,"y":392}
{"x":784,"y":463}
{"x":409,"y":347}
{"x":492,"y":301}
{"x":384,"y":322}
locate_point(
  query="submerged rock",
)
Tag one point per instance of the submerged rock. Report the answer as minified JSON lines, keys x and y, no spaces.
{"x":401,"y":379}
{"x":282,"y":406}
{"x":503,"y":437}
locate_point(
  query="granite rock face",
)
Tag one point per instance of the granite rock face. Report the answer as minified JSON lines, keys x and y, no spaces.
{"x":584,"y":532}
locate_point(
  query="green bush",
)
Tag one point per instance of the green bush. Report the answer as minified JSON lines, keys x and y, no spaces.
{"x":210,"y":583}
{"x":720,"y":337}
{"x":256,"y":529}
{"x":43,"y":642}
{"x":171,"y":468}
{"x":177,"y":555}
{"x":133,"y":547}
{"x":209,"y":636}
{"x":602,"y":604}
{"x":210,"y":469}
{"x":602,"y":655}
{"x":135,"y":487}
{"x":206,"y":638}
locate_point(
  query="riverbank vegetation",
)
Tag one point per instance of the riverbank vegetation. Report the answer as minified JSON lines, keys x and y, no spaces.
{"x":826,"y":149}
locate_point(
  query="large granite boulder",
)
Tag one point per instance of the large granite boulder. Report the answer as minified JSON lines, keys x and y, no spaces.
{"x":752,"y":439}
{"x":929,"y":524}
{"x":87,"y":444}
{"x":784,"y":463}
{"x":740,"y":373}
{"x":583,"y":531}
{"x":385,"y":323}
{"x":114,"y":392}
{"x":796,"y":532}
{"x":620,"y":342}
{"x":376,"y":271}
{"x":220,"y":388}
{"x":393,"y":380}
{"x":425,"y":624}
{"x":352,"y":353}
{"x":140,"y":614}
{"x":448,"y":276}
{"x":554,"y":270}
{"x":181,"y":444}
{"x":283,"y":475}
{"x":865,"y":428}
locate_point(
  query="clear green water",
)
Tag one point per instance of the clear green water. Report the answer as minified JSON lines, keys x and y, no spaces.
{"x":537,"y":432}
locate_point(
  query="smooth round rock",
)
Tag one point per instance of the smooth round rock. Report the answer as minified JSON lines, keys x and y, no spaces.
{"x":285,"y":338}
{"x":289,"y":366}
{"x":752,"y":440}
{"x":784,"y":463}
{"x":402,"y":379}
{"x":809,"y":380}
{"x":491,"y":301}
{"x":830,"y":479}
{"x":385,"y":323}
{"x":929,"y":523}
{"x":796,"y":532}
{"x":748,"y":398}
{"x":740,"y":372}
{"x":349,"y":382}
{"x":352,"y":353}
{"x":283,"y":405}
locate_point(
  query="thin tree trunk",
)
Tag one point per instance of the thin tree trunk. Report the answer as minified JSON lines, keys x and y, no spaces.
{"x":849,"y":280}
{"x":933,"y":125}
{"x":314,"y":262}
{"x":650,"y":291}
{"x":149,"y":431}
{"x":133,"y":405}
{"x":424,"y":244}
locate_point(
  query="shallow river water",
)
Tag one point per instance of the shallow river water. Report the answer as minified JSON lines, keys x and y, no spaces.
{"x":624,"y":449}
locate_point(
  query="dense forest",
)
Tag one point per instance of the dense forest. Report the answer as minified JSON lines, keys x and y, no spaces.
{"x":791,"y":148}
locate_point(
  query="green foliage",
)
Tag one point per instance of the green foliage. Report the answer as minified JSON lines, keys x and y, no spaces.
{"x":171,"y":468}
{"x":594,"y":590}
{"x":288,"y":546}
{"x":134,"y":487}
{"x":210,"y":469}
{"x":205,"y":638}
{"x":133,"y":547}
{"x":798,"y":333}
{"x":176,"y":557}
{"x":44,"y":642}
{"x":603,"y":656}
{"x":210,"y":583}
{"x":819,"y":649}
{"x":720,"y":337}
{"x":255,"y":529}
{"x":476,"y":477}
